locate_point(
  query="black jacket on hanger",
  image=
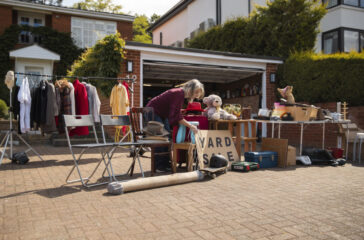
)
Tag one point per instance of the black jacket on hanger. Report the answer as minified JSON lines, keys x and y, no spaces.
{"x":39,"y":113}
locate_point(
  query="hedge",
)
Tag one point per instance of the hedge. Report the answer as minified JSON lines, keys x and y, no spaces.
{"x":318,"y":78}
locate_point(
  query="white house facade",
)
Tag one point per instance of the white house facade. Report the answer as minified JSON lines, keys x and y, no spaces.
{"x":341,"y":29}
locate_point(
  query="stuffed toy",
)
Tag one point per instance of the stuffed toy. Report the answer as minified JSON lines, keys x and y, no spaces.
{"x":214,"y":110}
{"x":286,"y":93}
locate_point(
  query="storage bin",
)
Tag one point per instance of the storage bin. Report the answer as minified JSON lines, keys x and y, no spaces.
{"x":265,"y":159}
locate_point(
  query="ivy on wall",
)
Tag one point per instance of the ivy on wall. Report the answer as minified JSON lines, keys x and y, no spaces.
{"x":104,"y":59}
{"x":60,"y":43}
{"x":318,"y":78}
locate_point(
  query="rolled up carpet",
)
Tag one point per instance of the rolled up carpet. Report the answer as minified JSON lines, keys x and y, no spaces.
{"x":154,"y":182}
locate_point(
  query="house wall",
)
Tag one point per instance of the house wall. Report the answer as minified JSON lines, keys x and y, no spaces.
{"x":172,"y":30}
{"x":6,"y":18}
{"x":340,"y":16}
{"x":61,"y":22}
{"x":231,"y":9}
{"x":21,"y":64}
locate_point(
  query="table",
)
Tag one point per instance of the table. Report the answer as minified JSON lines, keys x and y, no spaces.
{"x":302,"y":123}
{"x":248,"y":140}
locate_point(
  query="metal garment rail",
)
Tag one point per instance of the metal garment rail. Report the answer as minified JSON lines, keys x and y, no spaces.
{"x":79,"y":77}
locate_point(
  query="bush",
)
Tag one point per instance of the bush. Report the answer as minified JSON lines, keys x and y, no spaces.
{"x":102,"y":60}
{"x":324,"y":78}
{"x":3,"y":109}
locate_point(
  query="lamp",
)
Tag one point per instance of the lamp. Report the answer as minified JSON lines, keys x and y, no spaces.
{"x":129,"y":66}
{"x":272,"y":78}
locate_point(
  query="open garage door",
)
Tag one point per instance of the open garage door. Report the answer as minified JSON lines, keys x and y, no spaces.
{"x":234,"y":84}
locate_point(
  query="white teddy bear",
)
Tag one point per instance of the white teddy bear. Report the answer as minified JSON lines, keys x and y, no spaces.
{"x":214,"y":110}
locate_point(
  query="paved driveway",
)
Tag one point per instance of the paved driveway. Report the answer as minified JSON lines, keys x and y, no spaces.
{"x":295,"y":203}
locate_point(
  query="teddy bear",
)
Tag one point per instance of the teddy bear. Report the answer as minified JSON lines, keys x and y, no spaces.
{"x":286,"y":93}
{"x":214,"y":110}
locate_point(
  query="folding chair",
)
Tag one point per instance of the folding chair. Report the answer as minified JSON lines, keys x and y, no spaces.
{"x":85,"y":121}
{"x":139,"y":118}
{"x":118,"y":120}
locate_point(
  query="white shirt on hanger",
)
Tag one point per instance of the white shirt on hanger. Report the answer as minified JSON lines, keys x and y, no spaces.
{"x":25,"y":104}
{"x":73,"y":101}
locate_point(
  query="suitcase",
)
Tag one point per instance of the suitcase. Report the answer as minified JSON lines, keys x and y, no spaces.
{"x":244,"y":166}
{"x":265,"y":159}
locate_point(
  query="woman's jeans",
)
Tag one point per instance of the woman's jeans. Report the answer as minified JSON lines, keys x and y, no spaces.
{"x":162,"y":161}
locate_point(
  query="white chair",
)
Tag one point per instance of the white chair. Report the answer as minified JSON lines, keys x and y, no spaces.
{"x":358,"y":139}
{"x":87,"y":121}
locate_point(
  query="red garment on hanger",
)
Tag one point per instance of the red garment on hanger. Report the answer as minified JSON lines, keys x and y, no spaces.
{"x":81,"y":107}
{"x":125,"y":84}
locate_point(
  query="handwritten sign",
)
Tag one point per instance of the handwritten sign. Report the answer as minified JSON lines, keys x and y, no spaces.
{"x":210,"y":142}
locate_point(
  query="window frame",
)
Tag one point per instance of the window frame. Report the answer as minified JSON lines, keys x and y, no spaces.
{"x":341,"y":40}
{"x":95,"y":34}
{"x":342,"y":2}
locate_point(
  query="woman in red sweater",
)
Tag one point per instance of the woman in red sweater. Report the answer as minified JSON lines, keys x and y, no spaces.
{"x":167,"y":110}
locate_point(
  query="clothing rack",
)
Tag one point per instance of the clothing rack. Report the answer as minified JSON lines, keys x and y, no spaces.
{"x":131,"y":89}
{"x":79,"y":77}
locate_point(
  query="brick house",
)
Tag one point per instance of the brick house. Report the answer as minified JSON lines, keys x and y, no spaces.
{"x":86,"y":27}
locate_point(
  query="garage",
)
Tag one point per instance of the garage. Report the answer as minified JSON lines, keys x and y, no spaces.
{"x":243,"y":79}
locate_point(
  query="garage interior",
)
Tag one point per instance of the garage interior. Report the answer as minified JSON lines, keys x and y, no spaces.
{"x":237,"y":85}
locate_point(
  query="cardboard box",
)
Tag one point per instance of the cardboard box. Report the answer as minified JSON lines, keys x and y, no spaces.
{"x":277,"y":145}
{"x":300,"y":113}
{"x":291,"y":156}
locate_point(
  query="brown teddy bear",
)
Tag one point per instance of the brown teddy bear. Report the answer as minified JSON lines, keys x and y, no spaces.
{"x":214,"y":110}
{"x":286,"y":93}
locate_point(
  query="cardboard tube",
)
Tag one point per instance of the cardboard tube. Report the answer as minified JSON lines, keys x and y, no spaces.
{"x":160,"y":181}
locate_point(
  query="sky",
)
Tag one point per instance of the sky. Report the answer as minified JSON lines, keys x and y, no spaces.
{"x":147,"y":7}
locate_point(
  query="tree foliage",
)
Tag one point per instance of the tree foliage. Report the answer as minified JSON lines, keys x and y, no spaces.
{"x":282,"y":27}
{"x":324,"y":77}
{"x":99,"y":5}
{"x":104,"y":59}
{"x":140,"y":26}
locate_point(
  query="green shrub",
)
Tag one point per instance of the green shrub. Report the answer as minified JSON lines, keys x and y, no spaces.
{"x":102,"y":60}
{"x":3,"y":109}
{"x":324,"y":77}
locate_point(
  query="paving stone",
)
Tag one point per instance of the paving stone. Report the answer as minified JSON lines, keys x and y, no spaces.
{"x":299,"y":203}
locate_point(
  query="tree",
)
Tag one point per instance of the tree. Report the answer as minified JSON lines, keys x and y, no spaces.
{"x":155,"y":17}
{"x":280,"y":28}
{"x":102,"y":60}
{"x":140,"y":26}
{"x":99,"y":5}
{"x":50,"y":2}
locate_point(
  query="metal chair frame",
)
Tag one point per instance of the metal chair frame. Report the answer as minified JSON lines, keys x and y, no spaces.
{"x":85,"y":121}
{"x":119,"y":120}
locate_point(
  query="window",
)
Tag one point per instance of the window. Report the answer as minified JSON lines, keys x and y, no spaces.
{"x":24,"y":21}
{"x":361,"y":41}
{"x":30,"y":19}
{"x":351,"y":41}
{"x":331,"y":42}
{"x":160,"y":38}
{"x":351,"y":2}
{"x":361,"y":3}
{"x":331,"y":3}
{"x":37,"y":22}
{"x":86,"y":32}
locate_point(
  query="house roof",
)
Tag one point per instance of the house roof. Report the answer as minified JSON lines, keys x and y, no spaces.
{"x":171,"y":13}
{"x":141,"y":46}
{"x":34,"y":52}
{"x":67,"y":10}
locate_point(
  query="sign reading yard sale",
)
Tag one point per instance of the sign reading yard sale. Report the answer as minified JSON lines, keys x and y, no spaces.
{"x":210,"y":142}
